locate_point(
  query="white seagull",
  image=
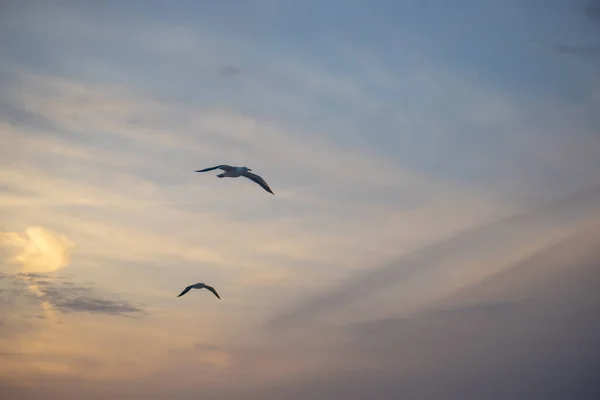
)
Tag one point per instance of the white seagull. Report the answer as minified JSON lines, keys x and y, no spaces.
{"x":199,"y":285}
{"x":236,"y":172}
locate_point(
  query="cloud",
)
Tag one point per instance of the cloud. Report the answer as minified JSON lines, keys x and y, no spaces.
{"x":528,"y":331}
{"x":64,"y":296}
{"x":149,"y":209}
{"x":82,"y":299}
{"x":372,"y":155}
{"x":75,"y":106}
{"x":488,"y":308}
{"x":228,"y":70}
{"x":93,"y":305}
{"x":38,"y":250}
{"x":585,"y":51}
{"x":438,"y":262}
{"x":435,"y":118}
{"x":39,"y":253}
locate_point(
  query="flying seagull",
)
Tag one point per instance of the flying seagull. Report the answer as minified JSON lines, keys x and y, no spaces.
{"x":236,"y":172}
{"x":199,"y":286}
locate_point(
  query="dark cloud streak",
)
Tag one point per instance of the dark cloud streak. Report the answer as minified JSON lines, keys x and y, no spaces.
{"x":584,"y":51}
{"x":68,"y":297}
{"x":95,"y":305}
{"x":228,"y":71}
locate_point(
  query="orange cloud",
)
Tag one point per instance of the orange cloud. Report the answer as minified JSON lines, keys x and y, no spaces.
{"x":38,"y":250}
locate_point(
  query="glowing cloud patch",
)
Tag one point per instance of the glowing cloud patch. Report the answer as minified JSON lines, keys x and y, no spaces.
{"x":38,"y":250}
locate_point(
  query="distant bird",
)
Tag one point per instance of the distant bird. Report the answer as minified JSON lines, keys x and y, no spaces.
{"x":236,"y":172}
{"x":199,"y":286}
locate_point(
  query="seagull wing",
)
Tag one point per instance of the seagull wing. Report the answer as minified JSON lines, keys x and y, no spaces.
{"x":257,"y":179}
{"x":223,"y":167}
{"x":212,"y":289}
{"x":187,"y":289}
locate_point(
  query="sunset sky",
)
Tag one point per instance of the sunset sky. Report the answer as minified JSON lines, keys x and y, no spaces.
{"x":435,"y":228}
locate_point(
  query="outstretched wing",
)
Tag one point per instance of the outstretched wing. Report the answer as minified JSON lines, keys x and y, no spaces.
{"x":257,"y":179}
{"x":187,"y":289}
{"x":212,"y":290}
{"x":223,"y":167}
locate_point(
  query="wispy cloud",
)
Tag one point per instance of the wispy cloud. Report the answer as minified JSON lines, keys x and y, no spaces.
{"x":438,"y":262}
{"x":482,"y":337}
{"x":67,"y":296}
{"x":37,"y":256}
{"x":75,"y":106}
{"x":382,"y":130}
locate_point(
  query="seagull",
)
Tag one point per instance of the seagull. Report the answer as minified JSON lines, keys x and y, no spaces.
{"x":236,"y":172}
{"x":199,"y":285}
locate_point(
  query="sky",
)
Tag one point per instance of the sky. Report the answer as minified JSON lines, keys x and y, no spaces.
{"x":434,"y":231}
